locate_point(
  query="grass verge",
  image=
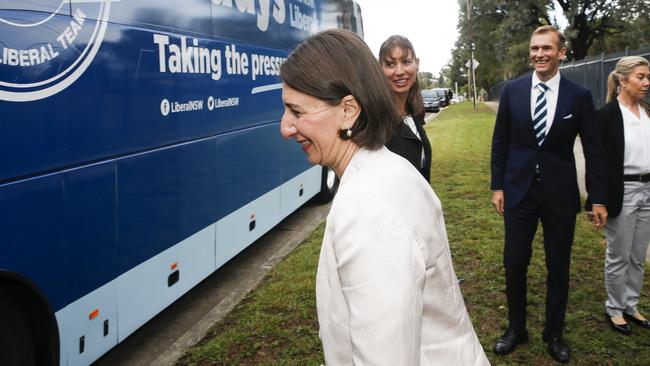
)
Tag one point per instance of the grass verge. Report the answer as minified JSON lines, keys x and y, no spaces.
{"x":276,"y":324}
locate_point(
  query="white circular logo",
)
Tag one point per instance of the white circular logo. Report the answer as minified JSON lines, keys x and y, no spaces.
{"x":210,"y":103}
{"x":164,"y":107}
{"x":42,"y":56}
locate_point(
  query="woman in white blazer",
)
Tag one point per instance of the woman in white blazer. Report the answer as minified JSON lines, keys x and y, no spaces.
{"x":385,"y":288}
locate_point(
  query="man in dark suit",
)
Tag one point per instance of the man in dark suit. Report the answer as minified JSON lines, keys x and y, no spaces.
{"x":534,"y":179}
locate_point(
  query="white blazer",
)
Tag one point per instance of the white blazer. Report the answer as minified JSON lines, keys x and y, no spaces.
{"x":386,"y":291}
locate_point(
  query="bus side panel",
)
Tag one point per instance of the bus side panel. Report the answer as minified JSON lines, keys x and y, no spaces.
{"x":164,"y":196}
{"x":59,"y":231}
{"x":298,"y":190}
{"x":148,"y":288}
{"x":32,"y":242}
{"x":274,"y":26}
{"x":167,"y":206}
{"x":141,"y":107}
{"x":249,"y":167}
{"x":186,"y":15}
{"x":90,"y":215}
{"x":301,"y":180}
{"x":88,"y":326}
{"x":294,"y":160}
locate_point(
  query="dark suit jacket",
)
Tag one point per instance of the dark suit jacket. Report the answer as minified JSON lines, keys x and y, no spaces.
{"x":515,"y":152}
{"x":610,"y":124}
{"x":407,"y":145}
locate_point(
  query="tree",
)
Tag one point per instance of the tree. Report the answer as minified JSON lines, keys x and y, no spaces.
{"x":593,"y":20}
{"x":425,"y":79}
{"x":500,"y":31}
{"x":634,"y":34}
{"x":496,"y":32}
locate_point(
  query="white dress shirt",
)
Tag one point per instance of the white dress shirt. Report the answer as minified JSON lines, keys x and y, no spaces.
{"x":551,"y":97}
{"x":636,"y":158}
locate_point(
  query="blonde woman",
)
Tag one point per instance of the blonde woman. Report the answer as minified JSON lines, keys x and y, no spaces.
{"x":625,"y":127}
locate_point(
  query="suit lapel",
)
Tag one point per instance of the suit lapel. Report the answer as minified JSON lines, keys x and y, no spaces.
{"x":522,"y":101}
{"x":406,"y":132}
{"x":563,"y":106}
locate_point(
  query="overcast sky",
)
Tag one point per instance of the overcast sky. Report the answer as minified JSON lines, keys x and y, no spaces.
{"x":429,"y":24}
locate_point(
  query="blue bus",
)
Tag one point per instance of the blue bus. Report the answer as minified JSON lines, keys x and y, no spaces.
{"x":139,"y":152}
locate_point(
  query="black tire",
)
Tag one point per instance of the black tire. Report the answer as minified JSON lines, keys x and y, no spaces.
{"x":329,"y":184}
{"x":16,"y":336}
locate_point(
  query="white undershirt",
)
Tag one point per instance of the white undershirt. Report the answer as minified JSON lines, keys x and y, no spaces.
{"x":411,"y":123}
{"x":636,"y":159}
{"x":553,"y":85}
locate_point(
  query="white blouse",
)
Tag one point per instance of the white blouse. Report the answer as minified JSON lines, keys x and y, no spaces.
{"x":636,"y":159}
{"x":386,"y":290}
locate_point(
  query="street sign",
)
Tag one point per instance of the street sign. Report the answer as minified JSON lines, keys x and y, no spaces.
{"x":468,"y":64}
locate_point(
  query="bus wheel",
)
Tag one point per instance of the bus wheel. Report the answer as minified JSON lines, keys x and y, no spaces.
{"x":16,"y":339}
{"x":329,"y":184}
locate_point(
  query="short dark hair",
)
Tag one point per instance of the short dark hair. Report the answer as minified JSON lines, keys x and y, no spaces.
{"x":336,"y":63}
{"x":549,"y":29}
{"x":414,"y":104}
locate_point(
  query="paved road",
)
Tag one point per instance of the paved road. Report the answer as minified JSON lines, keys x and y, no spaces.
{"x":163,"y":340}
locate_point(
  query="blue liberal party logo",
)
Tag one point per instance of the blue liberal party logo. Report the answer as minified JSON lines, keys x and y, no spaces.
{"x":43,"y":53}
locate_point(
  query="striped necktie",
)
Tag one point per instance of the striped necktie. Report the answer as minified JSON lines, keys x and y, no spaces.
{"x":539,"y":117}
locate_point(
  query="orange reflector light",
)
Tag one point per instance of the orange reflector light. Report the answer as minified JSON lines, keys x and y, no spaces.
{"x":253,"y":217}
{"x":93,"y":314}
{"x":174,"y":265}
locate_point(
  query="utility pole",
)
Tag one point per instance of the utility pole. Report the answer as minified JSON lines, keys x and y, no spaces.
{"x":471,"y":52}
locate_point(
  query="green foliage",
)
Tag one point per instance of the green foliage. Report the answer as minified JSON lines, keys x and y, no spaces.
{"x":500,"y":31}
{"x":277,"y":325}
{"x":425,"y":79}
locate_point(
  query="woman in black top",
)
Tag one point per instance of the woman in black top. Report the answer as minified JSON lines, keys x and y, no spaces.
{"x":400,"y":65}
{"x":624,"y":124}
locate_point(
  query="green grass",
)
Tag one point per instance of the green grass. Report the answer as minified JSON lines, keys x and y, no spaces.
{"x":277,"y":325}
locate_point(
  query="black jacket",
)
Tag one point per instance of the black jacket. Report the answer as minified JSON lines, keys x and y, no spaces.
{"x":408,"y":146}
{"x":610,"y":124}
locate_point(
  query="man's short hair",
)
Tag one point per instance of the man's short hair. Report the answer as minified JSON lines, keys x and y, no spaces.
{"x":549,"y":29}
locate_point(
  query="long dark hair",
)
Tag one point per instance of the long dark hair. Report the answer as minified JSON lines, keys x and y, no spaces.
{"x":336,"y":63}
{"x":414,"y":105}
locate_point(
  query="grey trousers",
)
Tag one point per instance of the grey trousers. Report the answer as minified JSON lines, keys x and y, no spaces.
{"x":628,"y":236}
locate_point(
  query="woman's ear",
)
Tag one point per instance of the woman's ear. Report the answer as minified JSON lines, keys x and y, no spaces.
{"x":351,"y":109}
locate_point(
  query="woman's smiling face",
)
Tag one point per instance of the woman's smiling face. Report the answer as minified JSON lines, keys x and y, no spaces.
{"x":400,"y":69}
{"x":315,"y":125}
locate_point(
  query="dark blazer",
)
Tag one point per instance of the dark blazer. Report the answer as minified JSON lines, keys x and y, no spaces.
{"x":610,"y":124}
{"x":407,"y":145}
{"x":515,"y":152}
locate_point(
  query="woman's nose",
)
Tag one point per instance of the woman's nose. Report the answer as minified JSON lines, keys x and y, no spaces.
{"x":287,"y":127}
